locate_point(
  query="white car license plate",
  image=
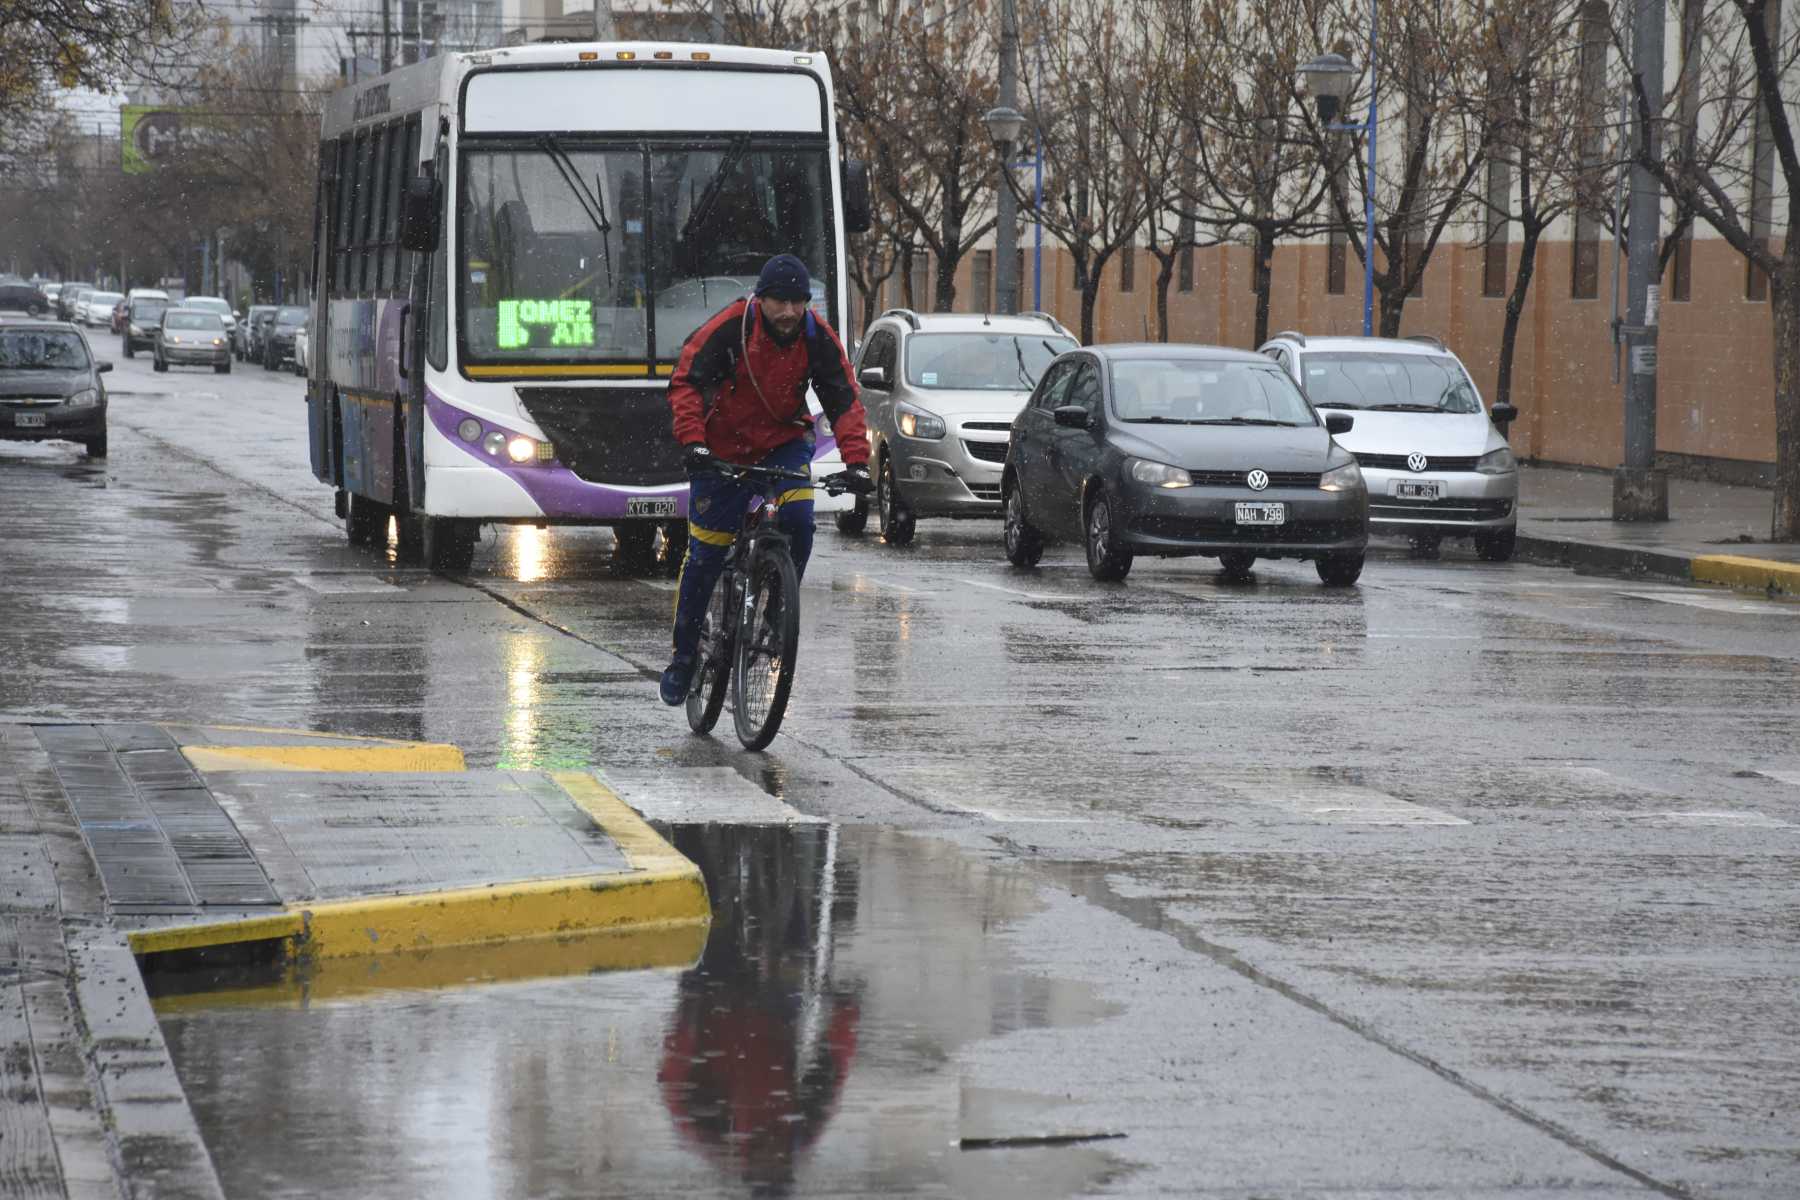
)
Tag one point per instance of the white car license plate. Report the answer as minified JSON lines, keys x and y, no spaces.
{"x":1262,"y":514}
{"x":28,"y":420}
{"x":1419,"y":489}
{"x":649,"y":508}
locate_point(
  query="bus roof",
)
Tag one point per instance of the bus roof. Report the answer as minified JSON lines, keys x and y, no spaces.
{"x":416,"y":87}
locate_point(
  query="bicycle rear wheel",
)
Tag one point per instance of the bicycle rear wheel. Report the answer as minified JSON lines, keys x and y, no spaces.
{"x":706,"y":694}
{"x":768,"y":639}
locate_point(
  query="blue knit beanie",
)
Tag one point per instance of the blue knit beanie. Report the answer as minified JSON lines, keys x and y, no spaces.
{"x":784,"y":277}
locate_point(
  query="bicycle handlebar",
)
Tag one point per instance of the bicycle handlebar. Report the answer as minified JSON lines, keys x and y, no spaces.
{"x":834,"y":485}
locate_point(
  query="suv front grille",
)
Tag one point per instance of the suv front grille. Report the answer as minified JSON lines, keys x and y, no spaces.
{"x":1397,"y":462}
{"x":993,"y":452}
{"x":989,"y":426}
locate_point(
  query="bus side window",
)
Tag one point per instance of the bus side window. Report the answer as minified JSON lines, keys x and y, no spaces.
{"x":438,"y":351}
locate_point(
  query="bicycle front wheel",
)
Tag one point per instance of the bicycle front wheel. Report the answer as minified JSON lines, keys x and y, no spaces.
{"x":768,"y":639}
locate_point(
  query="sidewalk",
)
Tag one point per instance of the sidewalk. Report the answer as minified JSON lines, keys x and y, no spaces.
{"x":145,"y":853}
{"x":1565,"y":517}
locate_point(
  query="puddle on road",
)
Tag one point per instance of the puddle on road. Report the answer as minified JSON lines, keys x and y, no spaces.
{"x":813,"y":1049}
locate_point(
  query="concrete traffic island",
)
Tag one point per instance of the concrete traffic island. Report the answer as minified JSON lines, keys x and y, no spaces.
{"x":331,"y":866}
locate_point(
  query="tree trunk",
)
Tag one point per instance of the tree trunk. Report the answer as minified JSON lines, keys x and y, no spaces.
{"x":1090,"y":299}
{"x":1390,"y":305}
{"x":1784,"y":304}
{"x":1261,"y":274}
{"x":944,"y":286}
{"x":1515,"y":309}
{"x":1165,"y":273}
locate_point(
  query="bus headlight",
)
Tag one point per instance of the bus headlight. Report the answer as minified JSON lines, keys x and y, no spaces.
{"x":494,"y":443}
{"x":521,"y":449}
{"x":469,"y":430}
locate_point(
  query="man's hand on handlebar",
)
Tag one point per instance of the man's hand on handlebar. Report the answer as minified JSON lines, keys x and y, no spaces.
{"x":857,"y":480}
{"x":697,"y":459}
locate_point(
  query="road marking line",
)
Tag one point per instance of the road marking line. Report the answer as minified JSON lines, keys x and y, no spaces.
{"x":1792,"y":777}
{"x":1038,"y":596}
{"x":344,"y":585}
{"x":661,"y":585}
{"x":1342,"y":804}
{"x":1725,"y":604}
{"x":1724,"y":820}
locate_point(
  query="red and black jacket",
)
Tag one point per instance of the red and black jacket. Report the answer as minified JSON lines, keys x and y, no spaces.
{"x":743,"y":394}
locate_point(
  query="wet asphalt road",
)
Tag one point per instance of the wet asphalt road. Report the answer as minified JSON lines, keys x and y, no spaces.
{"x":1473,"y":880}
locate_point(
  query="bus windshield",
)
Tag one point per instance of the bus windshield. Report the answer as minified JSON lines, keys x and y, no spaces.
{"x":573,"y":253}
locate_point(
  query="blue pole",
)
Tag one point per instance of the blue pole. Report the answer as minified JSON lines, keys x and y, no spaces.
{"x":1369,"y":189}
{"x":1037,"y":216}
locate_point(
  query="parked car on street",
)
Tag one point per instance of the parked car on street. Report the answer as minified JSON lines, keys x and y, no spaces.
{"x":51,"y":291}
{"x":23,"y":297}
{"x":68,"y":301}
{"x":278,"y":342}
{"x":256,"y":323}
{"x":1435,"y":460}
{"x":1176,"y":450}
{"x":142,"y":321}
{"x":50,"y":385}
{"x":192,"y":337}
{"x":97,"y":307}
{"x":303,"y":347}
{"x":941,"y":391}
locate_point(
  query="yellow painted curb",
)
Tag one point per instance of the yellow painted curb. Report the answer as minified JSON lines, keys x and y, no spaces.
{"x":172,"y":727}
{"x":663,"y":890}
{"x":409,"y":757}
{"x":1759,"y":574}
{"x":456,"y":966}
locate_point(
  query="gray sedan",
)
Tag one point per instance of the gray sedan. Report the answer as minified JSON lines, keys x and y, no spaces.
{"x":1181,"y":450}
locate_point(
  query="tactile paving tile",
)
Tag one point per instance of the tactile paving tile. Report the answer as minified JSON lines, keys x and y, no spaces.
{"x":160,"y":840}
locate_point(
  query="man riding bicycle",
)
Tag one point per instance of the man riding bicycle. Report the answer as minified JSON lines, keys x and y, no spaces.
{"x":739,"y":394}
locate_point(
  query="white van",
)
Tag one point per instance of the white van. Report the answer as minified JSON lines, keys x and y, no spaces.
{"x":1435,"y":459}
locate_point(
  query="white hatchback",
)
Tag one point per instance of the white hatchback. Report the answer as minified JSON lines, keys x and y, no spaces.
{"x":1435,"y":460}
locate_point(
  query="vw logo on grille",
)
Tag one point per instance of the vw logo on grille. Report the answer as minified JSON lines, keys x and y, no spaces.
{"x":1257,"y":479}
{"x":1416,"y":461}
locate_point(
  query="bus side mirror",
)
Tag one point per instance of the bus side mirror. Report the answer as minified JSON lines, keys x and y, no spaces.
{"x":857,"y":213}
{"x":418,"y":215}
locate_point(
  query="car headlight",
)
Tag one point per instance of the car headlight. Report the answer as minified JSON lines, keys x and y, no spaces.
{"x":85,"y":398}
{"x":1347,"y":478}
{"x":917,"y":423}
{"x":136,"y":332}
{"x":1497,"y":462}
{"x":1159,"y":474}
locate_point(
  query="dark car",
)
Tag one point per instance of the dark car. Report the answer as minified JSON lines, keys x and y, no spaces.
{"x":20,"y":296}
{"x":245,"y":344}
{"x":192,"y":337}
{"x":1181,"y":450}
{"x":142,"y":320}
{"x":50,"y":386}
{"x":278,"y":342}
{"x":262,"y":320}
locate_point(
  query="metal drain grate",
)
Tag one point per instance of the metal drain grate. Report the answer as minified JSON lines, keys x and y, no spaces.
{"x":160,"y":840}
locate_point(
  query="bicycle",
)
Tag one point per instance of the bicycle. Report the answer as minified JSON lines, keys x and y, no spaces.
{"x":751,"y":632}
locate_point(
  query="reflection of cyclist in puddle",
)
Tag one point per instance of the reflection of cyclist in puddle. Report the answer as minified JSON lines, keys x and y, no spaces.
{"x":762,"y":1038}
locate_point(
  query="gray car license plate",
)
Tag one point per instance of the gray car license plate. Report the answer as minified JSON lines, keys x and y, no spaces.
{"x":28,"y":420}
{"x":1274,"y":513}
{"x":1419,"y":489}
{"x":649,"y":508}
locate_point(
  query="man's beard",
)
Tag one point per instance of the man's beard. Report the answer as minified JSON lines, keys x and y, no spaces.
{"x":775,"y":331}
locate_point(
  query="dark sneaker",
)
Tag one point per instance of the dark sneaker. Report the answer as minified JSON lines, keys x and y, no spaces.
{"x":676,"y":679}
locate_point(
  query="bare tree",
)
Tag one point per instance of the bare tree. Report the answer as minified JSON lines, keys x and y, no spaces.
{"x":1429,"y":61}
{"x":1257,"y":171}
{"x":1746,"y":61}
{"x":1097,"y":143}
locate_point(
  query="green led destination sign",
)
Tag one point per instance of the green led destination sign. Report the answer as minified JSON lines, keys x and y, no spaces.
{"x":570,"y":322}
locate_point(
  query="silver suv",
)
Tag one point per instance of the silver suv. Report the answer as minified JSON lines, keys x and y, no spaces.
{"x":1435,"y":460}
{"x":941,"y":391}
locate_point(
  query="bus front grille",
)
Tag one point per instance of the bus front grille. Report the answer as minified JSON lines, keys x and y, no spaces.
{"x":616,"y":436}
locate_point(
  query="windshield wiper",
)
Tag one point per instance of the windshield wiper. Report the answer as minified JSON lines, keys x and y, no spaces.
{"x":1024,"y":372}
{"x":1245,"y":421}
{"x":592,"y":205}
{"x":1404,"y":408}
{"x":1331,"y":404}
{"x":1155,"y":420}
{"x":715,"y":187}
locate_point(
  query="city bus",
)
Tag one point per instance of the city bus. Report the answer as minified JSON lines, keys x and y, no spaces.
{"x":510,"y":248}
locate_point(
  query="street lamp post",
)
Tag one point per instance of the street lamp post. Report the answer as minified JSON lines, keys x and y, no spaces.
{"x":1329,"y":79}
{"x":1004,"y":124}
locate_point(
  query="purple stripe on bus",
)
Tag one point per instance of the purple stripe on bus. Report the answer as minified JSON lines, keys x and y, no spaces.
{"x":552,"y":486}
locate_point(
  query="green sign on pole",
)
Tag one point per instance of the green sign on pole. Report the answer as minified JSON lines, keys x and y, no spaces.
{"x":146,"y":134}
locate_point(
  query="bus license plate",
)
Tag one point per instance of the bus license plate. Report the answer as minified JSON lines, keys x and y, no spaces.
{"x":1262,"y":514}
{"x":649,"y":508}
{"x":28,"y":420}
{"x":1419,"y":489}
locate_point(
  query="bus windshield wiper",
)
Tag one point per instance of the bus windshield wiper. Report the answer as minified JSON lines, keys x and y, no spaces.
{"x":592,"y":205}
{"x":715,"y":187}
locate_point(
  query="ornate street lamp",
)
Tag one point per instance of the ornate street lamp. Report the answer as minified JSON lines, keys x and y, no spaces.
{"x":1329,"y":79}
